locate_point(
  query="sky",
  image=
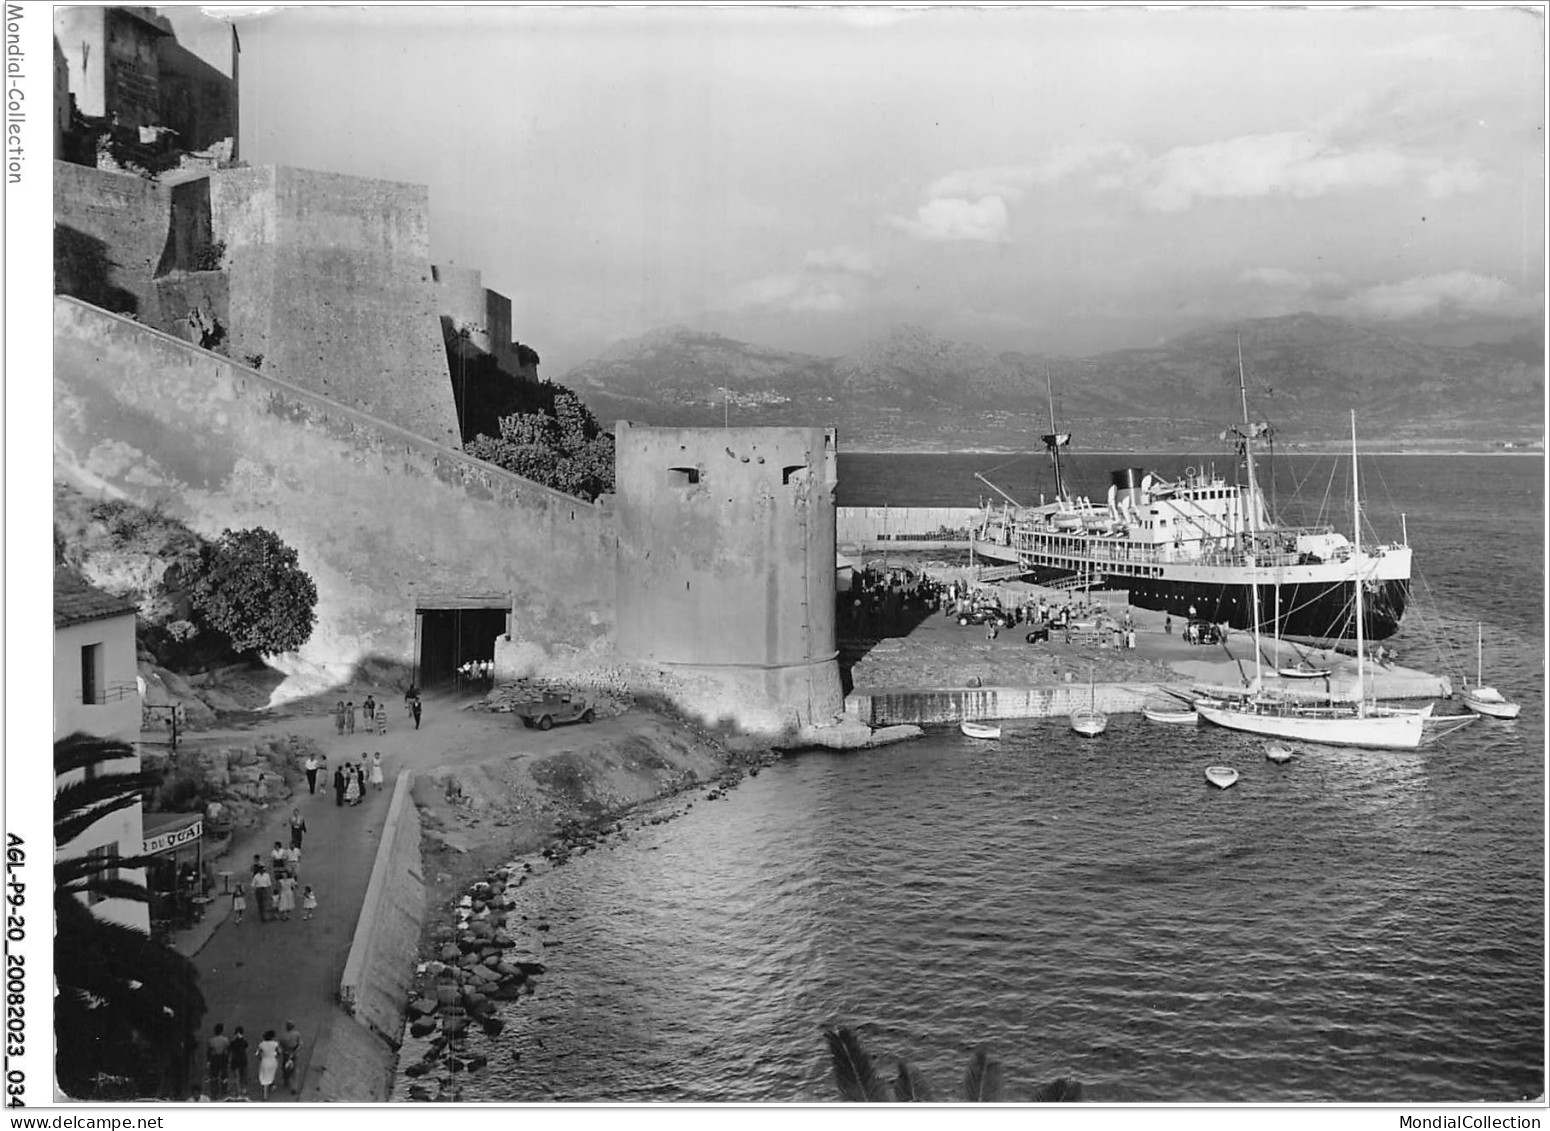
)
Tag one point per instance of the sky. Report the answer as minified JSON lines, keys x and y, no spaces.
{"x":1054,"y":180}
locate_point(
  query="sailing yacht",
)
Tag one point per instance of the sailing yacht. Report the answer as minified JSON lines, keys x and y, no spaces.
{"x":1088,"y":721}
{"x":1485,"y":700}
{"x":1336,"y":724}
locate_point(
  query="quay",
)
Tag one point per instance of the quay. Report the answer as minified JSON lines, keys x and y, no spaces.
{"x":923,"y":668}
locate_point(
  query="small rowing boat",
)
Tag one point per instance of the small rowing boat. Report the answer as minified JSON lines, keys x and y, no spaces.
{"x":1221,"y":776}
{"x":979,"y":730}
{"x":1303,"y":670}
{"x":1278,"y":753}
{"x":1171,"y":714}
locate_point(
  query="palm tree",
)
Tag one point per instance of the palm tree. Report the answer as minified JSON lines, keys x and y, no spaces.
{"x":858,"y":1081}
{"x":128,"y":1009}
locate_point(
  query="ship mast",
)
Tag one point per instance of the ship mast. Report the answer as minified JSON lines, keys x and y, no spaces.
{"x":1248,"y":447}
{"x":1054,"y":440}
{"x":1356,"y":577}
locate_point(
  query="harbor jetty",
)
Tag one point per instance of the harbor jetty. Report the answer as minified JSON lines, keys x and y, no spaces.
{"x":924,"y":667}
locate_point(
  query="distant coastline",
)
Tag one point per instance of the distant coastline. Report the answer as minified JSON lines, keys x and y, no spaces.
{"x":844,"y":451}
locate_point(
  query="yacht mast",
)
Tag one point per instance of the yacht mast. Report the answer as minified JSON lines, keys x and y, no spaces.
{"x":1356,"y":577}
{"x":1253,"y":555}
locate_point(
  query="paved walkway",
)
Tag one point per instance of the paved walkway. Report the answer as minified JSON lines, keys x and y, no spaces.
{"x":259,"y":975}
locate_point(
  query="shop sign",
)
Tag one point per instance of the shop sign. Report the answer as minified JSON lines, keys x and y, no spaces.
{"x":174,"y":838}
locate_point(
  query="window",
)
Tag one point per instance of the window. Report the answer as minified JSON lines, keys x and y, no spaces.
{"x":92,"y":674}
{"x":796,"y":472}
{"x":684,"y":476}
{"x":101,"y":852}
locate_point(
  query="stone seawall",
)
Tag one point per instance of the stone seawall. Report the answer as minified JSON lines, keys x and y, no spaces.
{"x":380,"y":967}
{"x":957,"y":704}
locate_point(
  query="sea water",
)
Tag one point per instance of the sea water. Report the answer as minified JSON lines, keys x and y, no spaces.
{"x":1354,"y":926}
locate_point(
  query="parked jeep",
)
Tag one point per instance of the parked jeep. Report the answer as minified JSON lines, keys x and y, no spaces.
{"x":554,"y":707}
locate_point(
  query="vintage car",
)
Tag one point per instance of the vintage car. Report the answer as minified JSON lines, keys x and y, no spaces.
{"x":554,"y":707}
{"x":1202,"y":632}
{"x":985,"y":614}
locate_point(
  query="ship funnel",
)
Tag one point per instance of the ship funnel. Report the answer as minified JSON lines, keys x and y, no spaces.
{"x":1128,"y":483}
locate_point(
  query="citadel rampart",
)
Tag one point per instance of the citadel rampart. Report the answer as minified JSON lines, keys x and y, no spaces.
{"x":330,"y":283}
{"x":382,"y":519}
{"x":726,"y":563}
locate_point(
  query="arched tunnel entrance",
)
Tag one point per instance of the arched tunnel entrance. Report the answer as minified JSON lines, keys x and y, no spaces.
{"x":451,"y":631}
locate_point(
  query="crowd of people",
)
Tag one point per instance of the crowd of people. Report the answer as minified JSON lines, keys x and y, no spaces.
{"x":228,"y":1061}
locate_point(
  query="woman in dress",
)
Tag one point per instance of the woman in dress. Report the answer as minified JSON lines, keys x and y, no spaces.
{"x":360,"y":772}
{"x":268,"y":1062}
{"x":381,"y":718}
{"x":376,"y":769}
{"x":352,"y":786}
{"x":287,"y":904}
{"x":239,"y":903}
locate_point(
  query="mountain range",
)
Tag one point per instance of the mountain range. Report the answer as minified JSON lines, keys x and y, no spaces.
{"x":911,"y":389}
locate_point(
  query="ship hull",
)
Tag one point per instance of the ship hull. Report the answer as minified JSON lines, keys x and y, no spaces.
{"x":1309,"y":605}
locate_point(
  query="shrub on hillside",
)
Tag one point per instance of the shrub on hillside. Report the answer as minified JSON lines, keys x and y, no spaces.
{"x":566,"y":450}
{"x":252,"y":590}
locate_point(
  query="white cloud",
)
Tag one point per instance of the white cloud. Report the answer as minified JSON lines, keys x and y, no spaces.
{"x":830,"y":280}
{"x":848,"y":259}
{"x":954,"y":219}
{"x":1296,"y":164}
{"x":1453,"y":293}
{"x":1010,"y":182}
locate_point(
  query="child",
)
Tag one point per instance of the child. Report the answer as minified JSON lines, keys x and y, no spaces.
{"x":239,"y":902}
{"x":309,"y":903}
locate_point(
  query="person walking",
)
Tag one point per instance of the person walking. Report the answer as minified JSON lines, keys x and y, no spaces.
{"x":268,"y":1062}
{"x":298,"y":828}
{"x":349,"y":717}
{"x":216,"y":1062}
{"x":382,"y":718}
{"x":352,"y":786}
{"x":360,"y":773}
{"x":311,"y":766}
{"x":290,"y":1045}
{"x":339,"y":717}
{"x":263,"y":883}
{"x":369,"y":708}
{"x":309,"y":903}
{"x":376,"y":770}
{"x":414,"y":709}
{"x":339,"y":784}
{"x":239,"y":903}
{"x":237,"y":1064}
{"x":287,"y":901}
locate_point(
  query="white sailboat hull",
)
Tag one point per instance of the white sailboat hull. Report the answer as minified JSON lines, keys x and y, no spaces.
{"x":1333,"y":728}
{"x":1089,"y":724}
{"x":1497,"y":708}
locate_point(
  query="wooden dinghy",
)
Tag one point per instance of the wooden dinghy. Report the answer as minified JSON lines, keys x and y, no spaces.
{"x":979,"y":730}
{"x":1279,"y":753}
{"x":1171,"y":714}
{"x":1221,"y":776}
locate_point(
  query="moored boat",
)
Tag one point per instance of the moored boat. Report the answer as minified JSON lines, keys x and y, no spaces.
{"x":1484,"y":700}
{"x":1336,"y":724}
{"x":1278,"y":753}
{"x":1089,"y":721}
{"x":1195,"y":547}
{"x":979,"y":730}
{"x":1170,"y":714}
{"x":1303,"y":670}
{"x":1221,"y":776}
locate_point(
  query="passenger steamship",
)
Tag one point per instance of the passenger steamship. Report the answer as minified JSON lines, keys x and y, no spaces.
{"x":1193,"y":546}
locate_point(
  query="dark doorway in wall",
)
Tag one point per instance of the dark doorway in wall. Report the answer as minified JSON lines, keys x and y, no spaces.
{"x":449,"y":638}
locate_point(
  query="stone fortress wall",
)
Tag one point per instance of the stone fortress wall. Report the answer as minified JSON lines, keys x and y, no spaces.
{"x":726,"y":561}
{"x":379,"y":516}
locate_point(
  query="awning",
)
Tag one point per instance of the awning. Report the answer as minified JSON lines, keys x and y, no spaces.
{"x":164,"y":832}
